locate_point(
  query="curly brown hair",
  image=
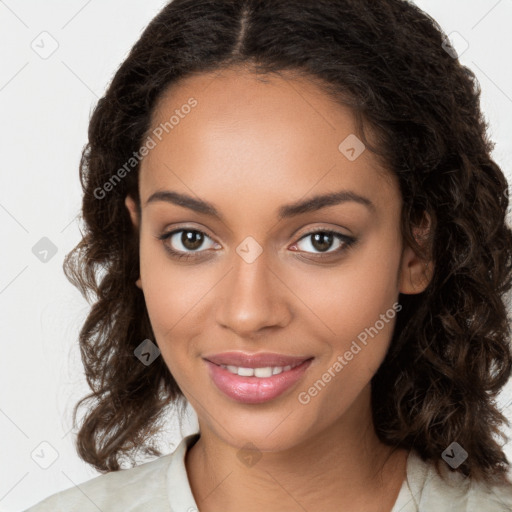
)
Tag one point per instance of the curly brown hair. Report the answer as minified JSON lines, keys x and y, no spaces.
{"x":450,"y":353}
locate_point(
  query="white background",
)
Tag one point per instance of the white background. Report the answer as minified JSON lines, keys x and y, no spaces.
{"x":45,"y":107}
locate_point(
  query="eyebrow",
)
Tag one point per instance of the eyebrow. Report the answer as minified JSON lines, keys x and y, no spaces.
{"x":290,"y":210}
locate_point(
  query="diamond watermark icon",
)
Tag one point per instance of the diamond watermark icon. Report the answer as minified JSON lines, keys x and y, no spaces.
{"x":249,"y":454}
{"x":44,"y":250}
{"x":454,"y":44}
{"x":351,"y":147}
{"x":44,"y":455}
{"x":147,"y":352}
{"x":454,"y":455}
{"x":45,"y":45}
{"x":249,"y":249}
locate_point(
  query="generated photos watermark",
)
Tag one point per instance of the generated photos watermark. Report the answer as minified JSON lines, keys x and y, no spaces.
{"x":305,"y":397}
{"x":149,"y":144}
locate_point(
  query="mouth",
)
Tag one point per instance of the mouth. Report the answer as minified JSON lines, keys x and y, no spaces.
{"x":257,"y":378}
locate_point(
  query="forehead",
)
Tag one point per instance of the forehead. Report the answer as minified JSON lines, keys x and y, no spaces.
{"x":261,"y":136}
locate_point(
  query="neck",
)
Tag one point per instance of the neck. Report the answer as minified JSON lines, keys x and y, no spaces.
{"x":343,"y":467}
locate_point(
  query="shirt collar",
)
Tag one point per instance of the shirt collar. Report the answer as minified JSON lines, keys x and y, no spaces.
{"x":178,"y":486}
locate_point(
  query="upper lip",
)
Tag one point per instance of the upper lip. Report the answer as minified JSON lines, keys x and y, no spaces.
{"x":255,"y":360}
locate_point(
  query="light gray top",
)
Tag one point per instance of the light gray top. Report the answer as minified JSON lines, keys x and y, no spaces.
{"x":162,"y":486}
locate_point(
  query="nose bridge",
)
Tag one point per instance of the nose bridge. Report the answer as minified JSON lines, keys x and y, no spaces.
{"x":253,"y":298}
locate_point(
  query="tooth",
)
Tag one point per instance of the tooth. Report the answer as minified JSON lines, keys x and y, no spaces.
{"x":263,"y":372}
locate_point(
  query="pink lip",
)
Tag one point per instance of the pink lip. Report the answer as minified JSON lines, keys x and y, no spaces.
{"x":255,"y":390}
{"x":255,"y":360}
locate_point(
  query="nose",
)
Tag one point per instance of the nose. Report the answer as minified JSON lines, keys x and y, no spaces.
{"x":254,"y":298}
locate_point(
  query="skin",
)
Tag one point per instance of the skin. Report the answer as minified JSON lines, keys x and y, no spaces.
{"x":248,"y":148}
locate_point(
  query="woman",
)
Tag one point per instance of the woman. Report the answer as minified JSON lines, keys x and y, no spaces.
{"x":301,"y":232}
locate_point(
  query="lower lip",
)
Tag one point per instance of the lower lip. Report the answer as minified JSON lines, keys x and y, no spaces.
{"x":255,"y":390}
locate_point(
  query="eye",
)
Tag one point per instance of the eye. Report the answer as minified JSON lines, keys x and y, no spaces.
{"x":323,"y":239}
{"x":183,"y":243}
{"x":190,"y":243}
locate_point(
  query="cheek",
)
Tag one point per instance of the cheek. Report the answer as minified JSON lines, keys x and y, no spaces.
{"x":355,"y":307}
{"x":177,"y":298}
{"x":168,"y":292}
{"x":171,"y":290}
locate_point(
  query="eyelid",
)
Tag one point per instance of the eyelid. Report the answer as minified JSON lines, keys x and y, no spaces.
{"x":322,"y":229}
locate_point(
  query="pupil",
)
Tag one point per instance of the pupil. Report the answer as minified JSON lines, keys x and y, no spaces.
{"x":319,"y":241}
{"x":191,"y":239}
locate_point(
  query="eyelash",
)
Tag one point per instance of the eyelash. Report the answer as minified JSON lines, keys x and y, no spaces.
{"x":347,"y":243}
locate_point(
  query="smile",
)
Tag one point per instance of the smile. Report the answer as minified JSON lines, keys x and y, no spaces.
{"x":256,"y":385}
{"x":262,"y":372}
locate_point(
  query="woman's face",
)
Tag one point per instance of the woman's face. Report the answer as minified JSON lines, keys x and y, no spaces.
{"x":259,"y":279}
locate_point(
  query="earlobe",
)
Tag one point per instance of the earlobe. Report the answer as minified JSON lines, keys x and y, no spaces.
{"x":131,"y":205}
{"x":415,"y":274}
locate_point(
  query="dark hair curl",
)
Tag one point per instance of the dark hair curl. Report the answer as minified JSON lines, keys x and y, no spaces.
{"x":450,"y":353}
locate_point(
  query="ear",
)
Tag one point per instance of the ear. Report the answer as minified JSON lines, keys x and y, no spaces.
{"x":415,"y":272}
{"x":131,"y":205}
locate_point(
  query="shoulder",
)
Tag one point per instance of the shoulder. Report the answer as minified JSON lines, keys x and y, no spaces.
{"x":452,"y":491}
{"x":143,"y":487}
